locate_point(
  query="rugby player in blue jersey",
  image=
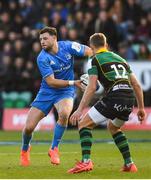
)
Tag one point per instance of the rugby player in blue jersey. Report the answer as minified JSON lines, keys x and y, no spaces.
{"x":55,"y":62}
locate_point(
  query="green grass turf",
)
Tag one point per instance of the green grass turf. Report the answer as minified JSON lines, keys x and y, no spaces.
{"x":106,"y":157}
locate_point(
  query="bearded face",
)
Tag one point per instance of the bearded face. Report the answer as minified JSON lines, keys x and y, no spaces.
{"x":47,"y":41}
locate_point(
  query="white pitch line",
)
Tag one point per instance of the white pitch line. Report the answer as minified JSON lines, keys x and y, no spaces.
{"x":39,"y":153}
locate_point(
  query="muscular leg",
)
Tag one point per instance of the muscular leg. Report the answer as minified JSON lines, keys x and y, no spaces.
{"x":120,"y":140}
{"x":92,"y":119}
{"x":34,"y":116}
{"x":88,"y":122}
{"x":85,"y":127}
{"x":64,"y":108}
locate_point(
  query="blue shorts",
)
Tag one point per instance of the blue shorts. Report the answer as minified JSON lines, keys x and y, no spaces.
{"x":45,"y":101}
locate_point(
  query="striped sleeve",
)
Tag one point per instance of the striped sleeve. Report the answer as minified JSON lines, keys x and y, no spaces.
{"x":93,"y":70}
{"x":129,"y":69}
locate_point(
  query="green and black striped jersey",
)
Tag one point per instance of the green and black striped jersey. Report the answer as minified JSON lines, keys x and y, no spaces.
{"x":110,"y":68}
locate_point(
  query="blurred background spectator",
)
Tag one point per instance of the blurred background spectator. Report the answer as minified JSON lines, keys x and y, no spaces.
{"x":126,"y":23}
{"x":144,"y":52}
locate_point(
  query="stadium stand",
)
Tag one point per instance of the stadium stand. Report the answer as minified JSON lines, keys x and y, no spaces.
{"x":126,"y":23}
{"x":16,"y":99}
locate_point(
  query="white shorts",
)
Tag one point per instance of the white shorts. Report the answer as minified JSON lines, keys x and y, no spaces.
{"x":98,"y":118}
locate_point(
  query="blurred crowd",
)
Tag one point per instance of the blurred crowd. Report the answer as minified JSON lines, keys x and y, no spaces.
{"x":126,"y":23}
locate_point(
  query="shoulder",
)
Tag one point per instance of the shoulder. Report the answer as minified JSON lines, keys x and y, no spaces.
{"x":119,"y":57}
{"x":72,"y":47}
{"x":94,"y":59}
{"x":41,"y":55}
{"x":68,"y":43}
{"x":42,"y":58}
{"x":64,"y":43}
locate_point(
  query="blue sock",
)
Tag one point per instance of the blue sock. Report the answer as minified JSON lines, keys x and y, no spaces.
{"x":58,"y":133}
{"x":26,"y":141}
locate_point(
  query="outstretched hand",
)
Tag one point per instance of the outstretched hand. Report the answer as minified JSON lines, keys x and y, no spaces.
{"x":75,"y":117}
{"x":141,"y":115}
{"x":78,"y":84}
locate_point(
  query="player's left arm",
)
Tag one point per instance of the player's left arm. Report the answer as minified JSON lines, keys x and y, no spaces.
{"x":88,"y":51}
{"x":139,"y":97}
{"x":78,"y":49}
{"x":138,"y":93}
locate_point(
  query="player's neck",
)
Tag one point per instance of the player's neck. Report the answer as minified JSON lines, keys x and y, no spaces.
{"x":101,"y":49}
{"x":54,"y":49}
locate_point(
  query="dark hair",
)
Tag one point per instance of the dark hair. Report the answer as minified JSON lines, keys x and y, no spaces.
{"x":51,"y":30}
{"x":98,"y":40}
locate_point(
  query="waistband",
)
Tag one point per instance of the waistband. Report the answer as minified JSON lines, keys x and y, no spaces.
{"x":120,"y":86}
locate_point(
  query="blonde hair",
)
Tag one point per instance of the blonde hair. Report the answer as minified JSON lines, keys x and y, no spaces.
{"x":98,"y":40}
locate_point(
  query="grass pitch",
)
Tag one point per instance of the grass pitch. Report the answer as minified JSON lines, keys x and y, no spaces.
{"x":106,"y":157}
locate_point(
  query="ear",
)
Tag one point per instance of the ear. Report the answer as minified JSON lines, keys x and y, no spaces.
{"x":106,"y":45}
{"x":54,"y":37}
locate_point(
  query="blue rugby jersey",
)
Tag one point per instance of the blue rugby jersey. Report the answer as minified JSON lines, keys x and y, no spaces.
{"x":60,"y":64}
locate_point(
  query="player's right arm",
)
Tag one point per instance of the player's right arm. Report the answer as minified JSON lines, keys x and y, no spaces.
{"x":139,"y":97}
{"x":48,"y":74}
{"x":59,"y":83}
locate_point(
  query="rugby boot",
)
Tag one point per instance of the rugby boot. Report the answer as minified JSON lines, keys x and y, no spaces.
{"x":54,"y":156}
{"x":81,"y":167}
{"x":131,"y":168}
{"x":25,"y":157}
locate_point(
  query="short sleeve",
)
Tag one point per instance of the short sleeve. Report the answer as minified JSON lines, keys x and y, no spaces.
{"x":76,"y":48}
{"x":44,"y":67}
{"x":129,"y":68}
{"x":93,"y":70}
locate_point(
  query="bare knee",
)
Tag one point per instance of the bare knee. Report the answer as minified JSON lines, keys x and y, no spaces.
{"x":112,"y":128}
{"x":34,"y":116}
{"x":30,"y":125}
{"x":81,"y":125}
{"x":28,"y":129}
{"x":63,"y":118}
{"x":86,"y":122}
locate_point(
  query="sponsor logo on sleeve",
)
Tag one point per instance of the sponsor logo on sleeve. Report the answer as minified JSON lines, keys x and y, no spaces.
{"x":76,"y":46}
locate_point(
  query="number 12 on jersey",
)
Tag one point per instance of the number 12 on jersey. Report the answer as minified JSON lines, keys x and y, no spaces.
{"x":118,"y":69}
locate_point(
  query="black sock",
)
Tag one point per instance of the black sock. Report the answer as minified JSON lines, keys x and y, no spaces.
{"x":122,"y":144}
{"x":86,"y":143}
